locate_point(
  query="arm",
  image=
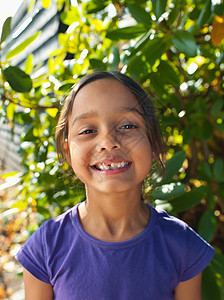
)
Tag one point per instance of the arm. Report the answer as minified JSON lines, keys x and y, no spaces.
{"x":190,"y":289}
{"x":36,"y":289}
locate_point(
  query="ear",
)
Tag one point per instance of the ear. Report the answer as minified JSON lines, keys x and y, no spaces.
{"x":67,"y":152}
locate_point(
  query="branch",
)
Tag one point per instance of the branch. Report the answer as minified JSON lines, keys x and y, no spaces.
{"x":38,"y":107}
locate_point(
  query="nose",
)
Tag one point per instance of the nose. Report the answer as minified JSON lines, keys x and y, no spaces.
{"x":108,"y":141}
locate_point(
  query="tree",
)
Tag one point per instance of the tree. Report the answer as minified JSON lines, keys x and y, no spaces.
{"x":175,"y":50}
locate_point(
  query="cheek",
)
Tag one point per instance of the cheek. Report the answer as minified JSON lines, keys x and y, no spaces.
{"x":78,"y":162}
{"x":139,"y":141}
{"x":80,"y":154}
{"x":135,"y":142}
{"x":145,"y":153}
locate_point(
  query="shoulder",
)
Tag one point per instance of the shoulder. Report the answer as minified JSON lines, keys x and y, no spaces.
{"x":179,"y":236}
{"x":177,"y":229}
{"x":168,"y":223}
{"x":63,"y":219}
{"x":64,"y":224}
{"x":190,"y":249}
{"x":52,"y":231}
{"x":47,"y":243}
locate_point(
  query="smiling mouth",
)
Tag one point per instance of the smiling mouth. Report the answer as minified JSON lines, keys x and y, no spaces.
{"x":112,"y":166}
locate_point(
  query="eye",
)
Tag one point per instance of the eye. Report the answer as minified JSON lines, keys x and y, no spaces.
{"x":128,"y":126}
{"x":87,"y":131}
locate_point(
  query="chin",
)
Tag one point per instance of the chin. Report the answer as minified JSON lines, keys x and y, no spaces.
{"x":115,"y":188}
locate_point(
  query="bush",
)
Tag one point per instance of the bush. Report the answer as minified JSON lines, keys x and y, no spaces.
{"x":175,"y":50}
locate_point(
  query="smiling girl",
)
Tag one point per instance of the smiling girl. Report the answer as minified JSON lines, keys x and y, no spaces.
{"x":112,"y":246}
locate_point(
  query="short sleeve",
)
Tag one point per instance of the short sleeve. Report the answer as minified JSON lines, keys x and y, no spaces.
{"x":198,"y":255}
{"x":32,"y":255}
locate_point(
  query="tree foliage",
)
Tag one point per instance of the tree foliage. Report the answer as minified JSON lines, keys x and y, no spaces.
{"x":175,"y":50}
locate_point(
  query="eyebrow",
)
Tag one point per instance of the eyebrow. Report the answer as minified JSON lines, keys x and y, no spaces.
{"x":131,"y":109}
{"x":93,"y":114}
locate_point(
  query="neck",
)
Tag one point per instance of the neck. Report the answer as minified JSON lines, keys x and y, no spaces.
{"x":114,"y":217}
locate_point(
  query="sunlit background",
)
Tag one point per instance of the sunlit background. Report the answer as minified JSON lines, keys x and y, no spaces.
{"x":8,"y":9}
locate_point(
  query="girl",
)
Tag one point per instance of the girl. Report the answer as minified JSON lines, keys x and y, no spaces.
{"x":112,"y":246}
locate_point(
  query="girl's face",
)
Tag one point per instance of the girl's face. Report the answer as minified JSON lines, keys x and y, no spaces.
{"x":107,"y":138}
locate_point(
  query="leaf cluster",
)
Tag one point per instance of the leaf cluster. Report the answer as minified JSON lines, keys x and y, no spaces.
{"x":174,"y":48}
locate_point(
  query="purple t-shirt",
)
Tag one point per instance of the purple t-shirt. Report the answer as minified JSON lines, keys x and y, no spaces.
{"x":147,"y":267}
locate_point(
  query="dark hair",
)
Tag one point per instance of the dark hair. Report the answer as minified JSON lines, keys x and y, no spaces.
{"x":154,"y":133}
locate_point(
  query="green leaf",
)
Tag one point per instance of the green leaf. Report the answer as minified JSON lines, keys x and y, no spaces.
{"x":22,"y":46}
{"x":220,"y":115}
{"x":220,"y":127}
{"x":126,"y":33}
{"x":10,"y":174}
{"x":218,"y":170}
{"x":70,"y":16}
{"x":46,"y":3}
{"x":168,"y":120}
{"x":207,"y":225}
{"x":42,"y":153}
{"x":157,"y":83}
{"x":29,"y":64}
{"x":194,"y":14}
{"x":140,"y":15}
{"x":137,"y":68}
{"x":168,"y":191}
{"x":219,"y":9}
{"x":206,"y":171}
{"x":204,"y":16}
{"x":44,"y":212}
{"x":63,"y":39}
{"x":159,"y":7}
{"x":189,"y":199}
{"x":221,"y":191}
{"x":66,"y":86}
{"x":138,"y":46}
{"x":210,"y":288}
{"x":27,"y":134}
{"x":217,"y":264}
{"x":217,"y":106}
{"x":95,"y":5}
{"x":149,"y":52}
{"x":97,"y":64}
{"x":187,"y":135}
{"x":5,"y":29}
{"x":185,"y":43}
{"x":18,"y":80}
{"x":10,"y":111}
{"x":167,"y":71}
{"x":205,"y":130}
{"x":114,"y":62}
{"x":154,"y":49}
{"x":174,"y":164}
{"x":194,"y":30}
{"x":174,"y":12}
{"x":21,"y":205}
{"x":23,"y":118}
{"x":52,"y":112}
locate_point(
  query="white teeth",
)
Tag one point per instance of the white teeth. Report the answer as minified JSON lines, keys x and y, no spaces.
{"x":103,"y":167}
{"x":113,"y":166}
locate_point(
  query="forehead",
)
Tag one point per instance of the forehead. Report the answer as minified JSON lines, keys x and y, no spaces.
{"x":103,"y":94}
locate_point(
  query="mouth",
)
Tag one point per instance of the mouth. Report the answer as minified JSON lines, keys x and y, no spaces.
{"x":112,"y":166}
